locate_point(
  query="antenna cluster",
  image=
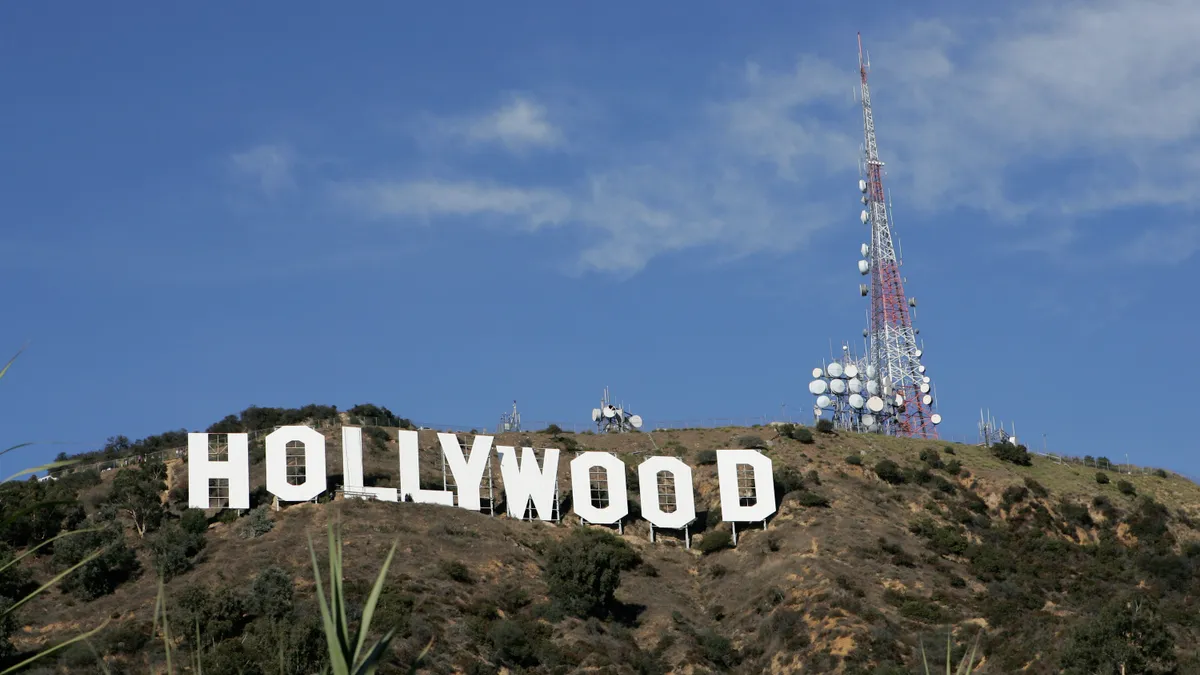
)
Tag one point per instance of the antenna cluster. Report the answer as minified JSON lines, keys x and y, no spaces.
{"x":510,"y":421}
{"x":857,"y":399}
{"x":992,"y":432}
{"x":611,"y":418}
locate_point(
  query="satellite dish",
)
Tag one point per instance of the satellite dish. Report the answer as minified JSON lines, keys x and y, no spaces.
{"x":865,"y":250}
{"x":899,"y":401}
{"x":864,"y":217}
{"x":936,"y":418}
{"x":636,"y":421}
{"x":862,"y":186}
{"x":609,"y":411}
{"x":925,"y":379}
{"x":595,"y":414}
{"x":1012,"y":439}
{"x":912,"y":302}
{"x":862,"y":290}
{"x":856,"y":401}
{"x":875,"y":404}
{"x":864,"y":199}
{"x":817,"y":372}
{"x":834,"y":369}
{"x":823,"y":401}
{"x":863,"y":267}
{"x":855,"y":385}
{"x":920,"y":369}
{"x":924,"y":388}
{"x":927,"y":399}
{"x":837,"y":386}
{"x":817,"y":387}
{"x":872,"y":387}
{"x":870,"y":372}
{"x":868,"y":420}
{"x":864,"y":332}
{"x":919,"y":352}
{"x":851,"y":370}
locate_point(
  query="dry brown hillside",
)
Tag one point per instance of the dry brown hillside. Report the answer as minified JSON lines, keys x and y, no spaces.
{"x":1024,"y":555}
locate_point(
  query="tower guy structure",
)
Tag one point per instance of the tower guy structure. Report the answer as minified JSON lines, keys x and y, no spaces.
{"x":892,"y":351}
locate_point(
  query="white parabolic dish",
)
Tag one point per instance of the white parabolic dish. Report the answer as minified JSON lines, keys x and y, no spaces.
{"x":636,"y":421}
{"x":837,"y":386}
{"x":920,"y":369}
{"x":863,"y":267}
{"x":817,"y":372}
{"x":865,"y":250}
{"x":816,"y":387}
{"x":855,"y":385}
{"x":834,"y":369}
{"x":924,"y":388}
{"x":936,"y":418}
{"x":856,"y":401}
{"x":851,"y":370}
{"x":823,"y":401}
{"x":609,"y":411}
{"x":875,"y":404}
{"x":927,"y":399}
{"x":595,"y":414}
{"x":870,"y":372}
{"x":872,"y":387}
{"x":864,"y":217}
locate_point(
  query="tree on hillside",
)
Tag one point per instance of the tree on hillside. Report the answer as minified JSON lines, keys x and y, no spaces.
{"x":1126,"y":636}
{"x":136,"y":494}
{"x":584,"y":570}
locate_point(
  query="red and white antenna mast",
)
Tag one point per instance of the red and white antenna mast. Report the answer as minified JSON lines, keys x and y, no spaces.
{"x":892,"y":346}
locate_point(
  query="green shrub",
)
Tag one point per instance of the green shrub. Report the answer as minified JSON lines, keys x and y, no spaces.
{"x":194,"y":521}
{"x":1015,"y":454}
{"x":750,"y":441}
{"x":552,"y":429}
{"x":1102,"y":478}
{"x":718,"y":540}
{"x":1160,"y":473}
{"x":583,"y":571}
{"x":101,"y":576}
{"x":1036,"y":488}
{"x":801,"y":434}
{"x":854,"y":460}
{"x":1126,"y":488}
{"x":812,"y":499}
{"x":889,"y":472}
{"x":705,"y":457}
{"x":931,"y":458}
{"x":787,"y":479}
{"x":257,"y":523}
{"x":173,"y":550}
{"x":457,"y":571}
{"x":272,"y":593}
{"x":825,"y":426}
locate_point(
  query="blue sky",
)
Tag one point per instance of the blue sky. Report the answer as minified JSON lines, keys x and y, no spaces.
{"x":445,"y":208}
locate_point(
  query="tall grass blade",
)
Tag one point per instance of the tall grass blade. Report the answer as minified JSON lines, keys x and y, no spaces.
{"x":42,"y":654}
{"x":87,"y":559}
{"x":51,"y":540}
{"x":10,"y":362}
{"x":35,"y":469}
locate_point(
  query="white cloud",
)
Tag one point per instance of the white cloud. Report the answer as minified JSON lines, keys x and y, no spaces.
{"x":519,"y":125}
{"x":430,"y":198}
{"x":1041,"y":119}
{"x":269,"y":165}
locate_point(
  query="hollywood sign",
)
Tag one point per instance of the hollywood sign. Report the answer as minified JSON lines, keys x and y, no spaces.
{"x":524,"y":480}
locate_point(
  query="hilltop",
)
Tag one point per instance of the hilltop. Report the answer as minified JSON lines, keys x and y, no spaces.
{"x":878,"y":543}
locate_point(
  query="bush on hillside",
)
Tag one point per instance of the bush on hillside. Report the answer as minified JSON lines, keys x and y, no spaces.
{"x":854,"y":460}
{"x":953,"y":467}
{"x":116,"y":565}
{"x":1102,"y":478}
{"x":1015,"y":454}
{"x":796,"y":432}
{"x":552,"y":429}
{"x":889,"y":472}
{"x":1160,"y":473}
{"x":811,"y":499}
{"x":825,"y":426}
{"x":718,"y":540}
{"x":931,"y":458}
{"x":750,"y":441}
{"x":194,"y":521}
{"x":174,"y":550}
{"x":1036,"y":488}
{"x":705,"y":457}
{"x":583,"y":571}
{"x":272,"y":593}
{"x":1126,"y":488}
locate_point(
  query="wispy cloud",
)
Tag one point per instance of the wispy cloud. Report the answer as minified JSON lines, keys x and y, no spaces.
{"x":522,"y":123}
{"x":269,"y":165}
{"x":1040,"y":121}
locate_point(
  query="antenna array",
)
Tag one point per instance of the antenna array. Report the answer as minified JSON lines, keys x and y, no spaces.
{"x":611,"y":418}
{"x":992,"y":432}
{"x":850,"y":390}
{"x":510,"y":421}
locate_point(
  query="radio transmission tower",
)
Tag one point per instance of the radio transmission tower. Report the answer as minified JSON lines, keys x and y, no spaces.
{"x":892,"y":344}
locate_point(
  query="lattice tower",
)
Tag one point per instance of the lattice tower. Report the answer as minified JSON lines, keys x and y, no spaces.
{"x":892,"y":341}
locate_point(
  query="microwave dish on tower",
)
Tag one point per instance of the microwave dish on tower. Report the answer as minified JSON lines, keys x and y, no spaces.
{"x":611,"y":418}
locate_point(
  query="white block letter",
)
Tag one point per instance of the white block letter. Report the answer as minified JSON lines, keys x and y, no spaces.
{"x":764,"y":486}
{"x":581,"y":483}
{"x":526,"y":481}
{"x":468,"y":473}
{"x":314,"y":463}
{"x":352,"y":469}
{"x":410,"y":473}
{"x":236,"y":470}
{"x":685,"y":498}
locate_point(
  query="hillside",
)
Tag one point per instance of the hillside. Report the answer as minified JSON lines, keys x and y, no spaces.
{"x":861,"y":562}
